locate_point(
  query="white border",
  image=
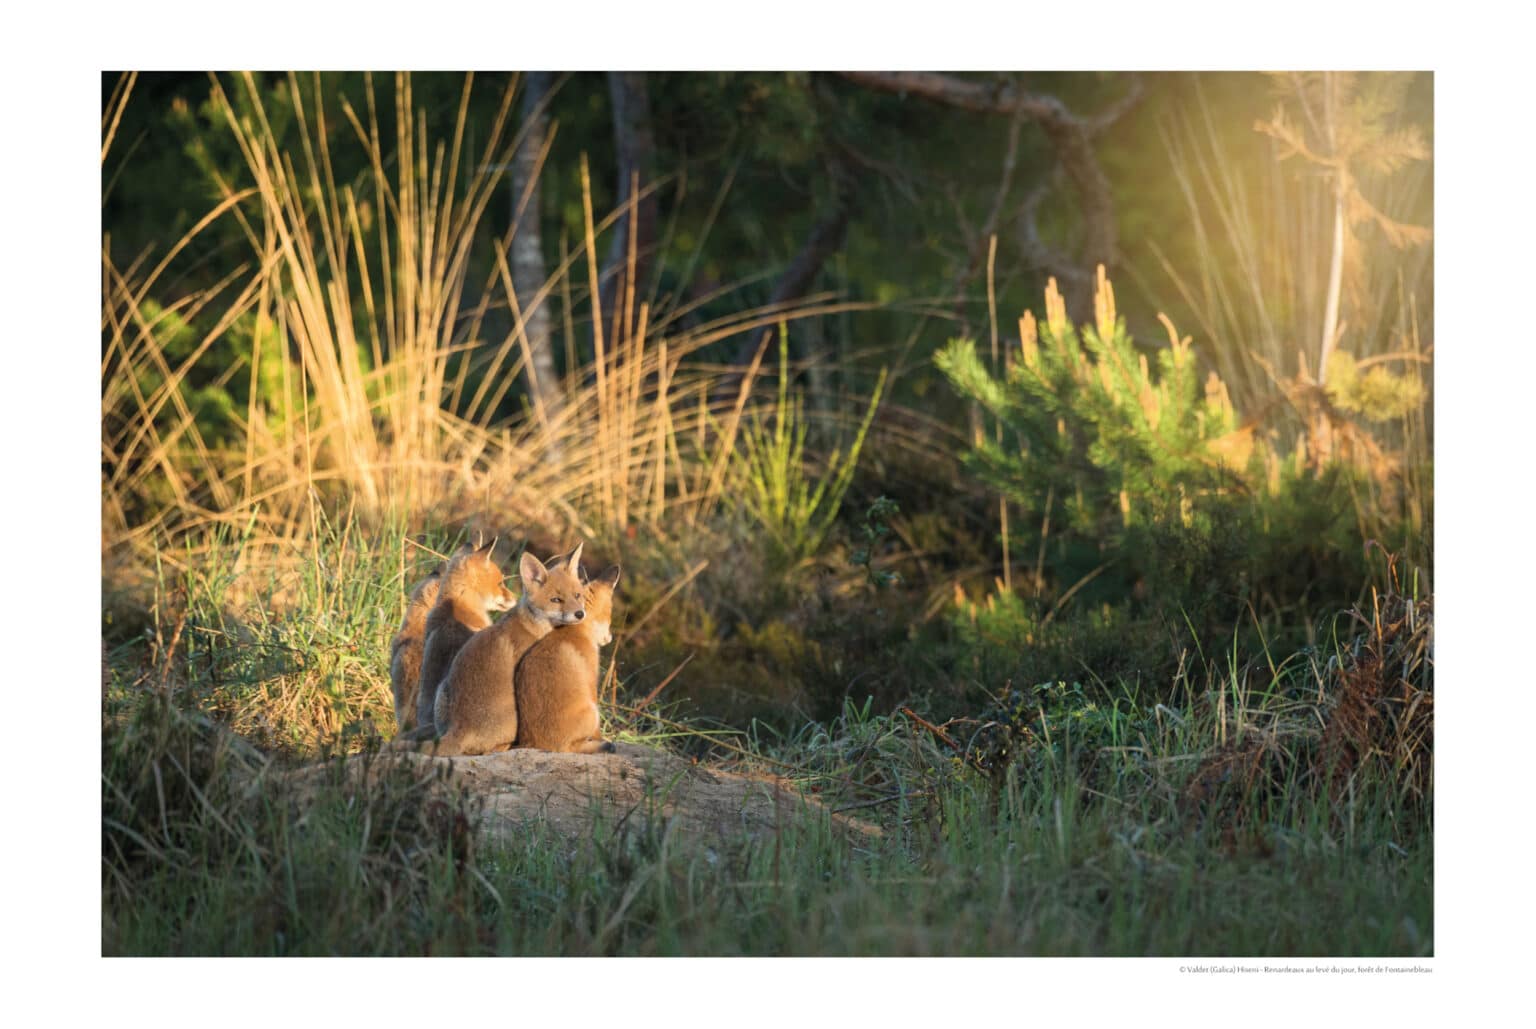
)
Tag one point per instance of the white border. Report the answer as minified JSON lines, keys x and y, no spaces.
{"x":52,"y":185}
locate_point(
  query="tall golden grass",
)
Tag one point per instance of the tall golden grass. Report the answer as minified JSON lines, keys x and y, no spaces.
{"x":364,"y":292}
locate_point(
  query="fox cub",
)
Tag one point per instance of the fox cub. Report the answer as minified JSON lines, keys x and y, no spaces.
{"x":476,"y":707}
{"x":471,"y":585}
{"x":405,"y":649}
{"x":557,"y":680}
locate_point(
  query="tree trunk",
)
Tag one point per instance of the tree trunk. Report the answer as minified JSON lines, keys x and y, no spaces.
{"x":1322,"y":430}
{"x":1335,"y":287}
{"x":626,"y":275}
{"x":1336,"y":261}
{"x":527,"y":253}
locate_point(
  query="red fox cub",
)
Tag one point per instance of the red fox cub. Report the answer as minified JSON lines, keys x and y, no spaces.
{"x":557,"y":681}
{"x":476,"y":708}
{"x":471,"y":585}
{"x":405,"y":649}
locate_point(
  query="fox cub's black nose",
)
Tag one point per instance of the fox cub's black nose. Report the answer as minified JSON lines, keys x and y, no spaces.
{"x":580,"y":615}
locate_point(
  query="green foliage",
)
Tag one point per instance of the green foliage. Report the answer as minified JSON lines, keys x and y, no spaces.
{"x":288,"y":653}
{"x":783,"y":649}
{"x":794,"y":507}
{"x":210,"y":847}
{"x":875,"y":527}
{"x":1088,"y":423}
{"x":1156,"y":497}
{"x":1005,"y":638}
{"x":1003,"y":621}
{"x":1376,"y":395}
{"x":1040,"y":730}
{"x":212,"y":376}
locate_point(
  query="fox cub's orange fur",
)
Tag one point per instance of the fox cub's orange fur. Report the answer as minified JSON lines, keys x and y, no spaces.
{"x":471,"y":585}
{"x":557,"y":680}
{"x":476,"y":707}
{"x":405,"y":649}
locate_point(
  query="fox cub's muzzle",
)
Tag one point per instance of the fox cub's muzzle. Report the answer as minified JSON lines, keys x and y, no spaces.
{"x":559,"y":617}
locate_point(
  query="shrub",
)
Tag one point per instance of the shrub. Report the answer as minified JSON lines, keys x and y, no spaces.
{"x":1152,"y":488}
{"x":1087,"y":423}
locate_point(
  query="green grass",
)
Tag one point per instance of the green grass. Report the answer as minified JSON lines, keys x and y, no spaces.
{"x":1054,"y":870}
{"x":1066,"y":819}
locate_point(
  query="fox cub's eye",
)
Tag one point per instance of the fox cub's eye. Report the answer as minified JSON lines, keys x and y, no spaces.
{"x":559,"y":600}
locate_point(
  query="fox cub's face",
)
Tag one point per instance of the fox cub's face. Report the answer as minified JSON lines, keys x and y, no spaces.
{"x":598,"y":594}
{"x":472,"y":573}
{"x":553,"y":593}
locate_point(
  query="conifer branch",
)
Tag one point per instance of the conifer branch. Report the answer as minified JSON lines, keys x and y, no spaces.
{"x":1071,"y":136}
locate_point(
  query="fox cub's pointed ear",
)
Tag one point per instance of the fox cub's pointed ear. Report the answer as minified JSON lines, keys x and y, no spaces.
{"x":485,"y":551}
{"x":575,"y":559}
{"x":531,"y":570}
{"x":609,"y":575}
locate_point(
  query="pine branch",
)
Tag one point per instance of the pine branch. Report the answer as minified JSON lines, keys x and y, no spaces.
{"x":1070,"y":134}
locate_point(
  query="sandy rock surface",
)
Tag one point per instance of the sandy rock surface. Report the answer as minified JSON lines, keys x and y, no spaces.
{"x":637,"y":785}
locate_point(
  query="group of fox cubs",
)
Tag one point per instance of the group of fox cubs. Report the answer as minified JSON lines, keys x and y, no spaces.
{"x":528,"y":680}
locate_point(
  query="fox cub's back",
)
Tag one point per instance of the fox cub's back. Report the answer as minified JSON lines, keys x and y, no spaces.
{"x":405,"y":649}
{"x":472,"y":584}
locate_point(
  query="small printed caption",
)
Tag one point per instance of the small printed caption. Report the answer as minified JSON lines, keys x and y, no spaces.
{"x":1263,"y":968}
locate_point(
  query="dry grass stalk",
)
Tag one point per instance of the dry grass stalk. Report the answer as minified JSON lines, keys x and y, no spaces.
{"x":359,"y":295}
{"x":1383,"y":717}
